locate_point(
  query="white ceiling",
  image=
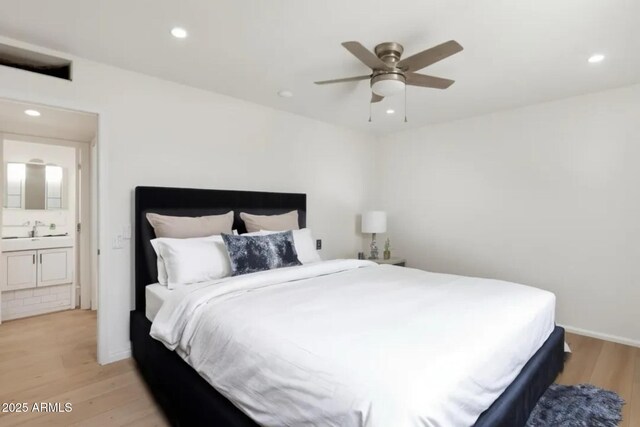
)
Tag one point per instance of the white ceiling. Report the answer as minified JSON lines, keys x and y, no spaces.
{"x":516,"y":52}
{"x":52,"y":123}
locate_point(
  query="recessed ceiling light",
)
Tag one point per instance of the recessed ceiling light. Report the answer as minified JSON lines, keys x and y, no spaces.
{"x":598,"y":57}
{"x":32,"y":113}
{"x":284,"y":93}
{"x":179,"y":33}
{"x":390,"y":111}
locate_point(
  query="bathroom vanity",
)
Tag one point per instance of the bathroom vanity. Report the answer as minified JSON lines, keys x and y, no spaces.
{"x":37,"y":277}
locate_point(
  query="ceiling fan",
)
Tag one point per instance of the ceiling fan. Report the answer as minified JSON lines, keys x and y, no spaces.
{"x":390,"y":74}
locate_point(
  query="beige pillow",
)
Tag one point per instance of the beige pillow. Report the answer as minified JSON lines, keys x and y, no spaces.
{"x":183,"y":227}
{"x":284,"y":222}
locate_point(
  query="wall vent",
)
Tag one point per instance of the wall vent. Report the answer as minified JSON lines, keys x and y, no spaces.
{"x":35,"y":62}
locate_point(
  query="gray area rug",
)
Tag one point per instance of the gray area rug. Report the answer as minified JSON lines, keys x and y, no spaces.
{"x":582,"y":405}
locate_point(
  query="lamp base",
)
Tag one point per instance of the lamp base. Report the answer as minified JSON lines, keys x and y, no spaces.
{"x":373,"y":247}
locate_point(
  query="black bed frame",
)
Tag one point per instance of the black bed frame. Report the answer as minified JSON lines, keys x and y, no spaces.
{"x":188,"y":400}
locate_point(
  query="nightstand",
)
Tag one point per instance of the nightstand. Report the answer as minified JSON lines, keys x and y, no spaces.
{"x":391,"y":261}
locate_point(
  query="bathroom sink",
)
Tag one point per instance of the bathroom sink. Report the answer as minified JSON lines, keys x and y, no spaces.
{"x":32,"y":243}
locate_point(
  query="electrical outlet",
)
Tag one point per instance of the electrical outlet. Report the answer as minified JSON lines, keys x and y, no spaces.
{"x":318,"y":244}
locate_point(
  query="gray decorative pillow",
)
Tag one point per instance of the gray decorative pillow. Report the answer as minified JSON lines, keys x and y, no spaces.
{"x":249,"y":254}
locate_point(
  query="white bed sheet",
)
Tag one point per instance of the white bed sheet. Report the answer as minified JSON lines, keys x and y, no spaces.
{"x":350,"y":343}
{"x":155,"y":295}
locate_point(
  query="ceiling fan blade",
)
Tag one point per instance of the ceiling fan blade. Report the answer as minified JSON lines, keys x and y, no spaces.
{"x":376,"y":98}
{"x":348,"y":79}
{"x":365,"y":55}
{"x":422,"y":80}
{"x":430,"y":56}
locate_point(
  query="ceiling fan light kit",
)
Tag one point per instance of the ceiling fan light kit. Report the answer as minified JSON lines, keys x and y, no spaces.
{"x":390,"y":74}
{"x":387,"y":84}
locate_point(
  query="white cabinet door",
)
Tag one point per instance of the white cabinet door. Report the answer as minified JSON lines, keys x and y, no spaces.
{"x":20,"y":270}
{"x":55,"y":266}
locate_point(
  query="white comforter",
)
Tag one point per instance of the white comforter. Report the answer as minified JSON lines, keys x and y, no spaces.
{"x":351,"y":343}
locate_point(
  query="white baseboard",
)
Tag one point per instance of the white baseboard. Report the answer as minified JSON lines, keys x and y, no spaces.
{"x":117,"y":356}
{"x":601,"y":336}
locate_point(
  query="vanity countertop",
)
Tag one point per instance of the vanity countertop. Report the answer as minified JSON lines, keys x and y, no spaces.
{"x":32,"y":243}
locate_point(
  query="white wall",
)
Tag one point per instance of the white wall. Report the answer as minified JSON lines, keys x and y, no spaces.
{"x":23,"y":152}
{"x":153,"y":132}
{"x":547,"y":195}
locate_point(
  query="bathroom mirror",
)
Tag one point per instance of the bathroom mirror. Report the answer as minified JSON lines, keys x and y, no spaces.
{"x":34,"y":186}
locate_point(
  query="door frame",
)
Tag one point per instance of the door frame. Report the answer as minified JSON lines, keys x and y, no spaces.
{"x":99,"y":189}
{"x":2,"y":171}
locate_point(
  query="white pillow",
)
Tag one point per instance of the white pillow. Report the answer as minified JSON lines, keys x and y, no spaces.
{"x":304,"y":242}
{"x":162,"y":270}
{"x":192,"y":260}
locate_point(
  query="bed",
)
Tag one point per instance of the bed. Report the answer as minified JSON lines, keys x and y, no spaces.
{"x":189,"y":400}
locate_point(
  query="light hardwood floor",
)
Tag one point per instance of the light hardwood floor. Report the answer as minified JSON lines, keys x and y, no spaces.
{"x":608,"y":365}
{"x":52,"y":358}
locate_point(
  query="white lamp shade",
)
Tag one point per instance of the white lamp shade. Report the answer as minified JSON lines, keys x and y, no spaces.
{"x":374,"y":222}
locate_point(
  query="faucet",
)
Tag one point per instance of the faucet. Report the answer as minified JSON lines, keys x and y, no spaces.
{"x":34,"y":229}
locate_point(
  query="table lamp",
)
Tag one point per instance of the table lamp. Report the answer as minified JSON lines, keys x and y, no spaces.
{"x":374,"y":222}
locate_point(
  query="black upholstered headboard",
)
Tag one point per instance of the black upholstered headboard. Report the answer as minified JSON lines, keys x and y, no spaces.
{"x":197,"y":202}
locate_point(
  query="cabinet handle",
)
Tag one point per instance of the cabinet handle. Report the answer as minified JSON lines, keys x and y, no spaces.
{"x":40,"y":258}
{"x":34,"y":258}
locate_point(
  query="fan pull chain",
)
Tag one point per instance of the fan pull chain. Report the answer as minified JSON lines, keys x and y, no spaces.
{"x":405,"y":103}
{"x":369,"y":112}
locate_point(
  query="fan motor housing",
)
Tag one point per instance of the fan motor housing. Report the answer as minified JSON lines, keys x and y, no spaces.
{"x":388,"y":75}
{"x":389,"y":52}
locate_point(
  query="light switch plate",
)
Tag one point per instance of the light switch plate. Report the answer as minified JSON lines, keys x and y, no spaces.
{"x":319,"y":244}
{"x":126,"y":231}
{"x":117,"y":242}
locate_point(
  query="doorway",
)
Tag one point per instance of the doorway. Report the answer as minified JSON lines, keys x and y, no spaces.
{"x":49,"y":215}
